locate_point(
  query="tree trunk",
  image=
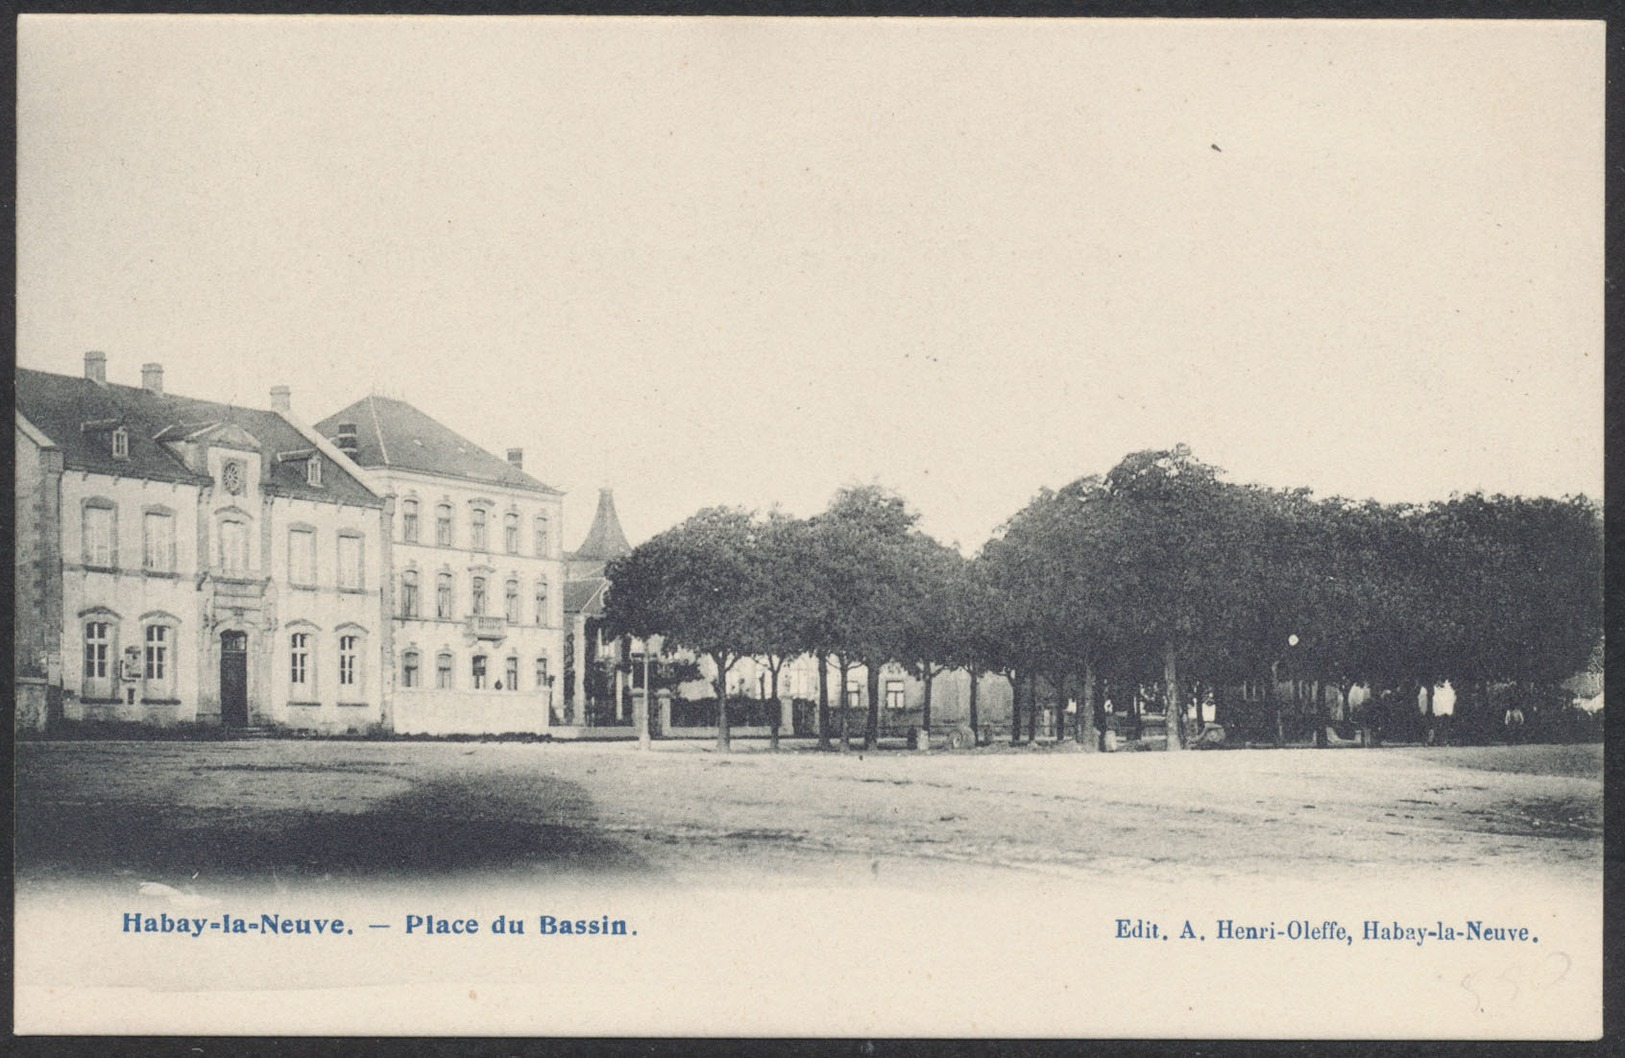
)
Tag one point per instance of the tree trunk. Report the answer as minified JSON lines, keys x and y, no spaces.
{"x":844,"y":667}
{"x":1430,"y":700}
{"x":1275,"y":705}
{"x":823,"y":701}
{"x":722,"y":702}
{"x":778,"y":710}
{"x":925,"y":710}
{"x":975,"y":719}
{"x":1170,"y":680}
{"x":871,"y":727}
{"x":1015,"y":706}
{"x":1322,"y":714}
{"x":1058,"y":683}
{"x":1086,"y":709}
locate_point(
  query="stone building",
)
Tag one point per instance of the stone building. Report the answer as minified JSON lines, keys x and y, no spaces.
{"x":587,"y":650}
{"x":186,"y":561}
{"x":476,"y":606}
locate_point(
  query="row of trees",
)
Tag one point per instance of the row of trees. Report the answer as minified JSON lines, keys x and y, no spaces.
{"x":1158,"y":572}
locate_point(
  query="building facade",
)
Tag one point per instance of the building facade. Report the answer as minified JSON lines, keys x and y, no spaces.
{"x":475,"y":600}
{"x":596,"y":679}
{"x":193,"y":562}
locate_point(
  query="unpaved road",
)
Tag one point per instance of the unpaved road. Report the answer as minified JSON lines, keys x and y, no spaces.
{"x":292,"y":813}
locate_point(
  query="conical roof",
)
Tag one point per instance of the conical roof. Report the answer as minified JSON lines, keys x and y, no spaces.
{"x":605,"y":540}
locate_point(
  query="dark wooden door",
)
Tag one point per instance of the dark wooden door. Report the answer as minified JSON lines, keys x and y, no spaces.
{"x":234,"y":678}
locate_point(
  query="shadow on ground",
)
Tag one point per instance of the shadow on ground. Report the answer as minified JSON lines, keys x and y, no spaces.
{"x":436,"y":828}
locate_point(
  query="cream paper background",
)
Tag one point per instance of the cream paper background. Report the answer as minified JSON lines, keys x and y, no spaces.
{"x":912,"y":959}
{"x":1327,"y":286}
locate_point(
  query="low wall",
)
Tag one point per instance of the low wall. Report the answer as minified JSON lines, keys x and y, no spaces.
{"x":733,"y":732}
{"x":468,"y":713}
{"x":588,"y":733}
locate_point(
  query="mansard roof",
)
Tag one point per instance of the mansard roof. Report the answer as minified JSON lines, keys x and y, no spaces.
{"x":79,"y":414}
{"x":392,"y":433}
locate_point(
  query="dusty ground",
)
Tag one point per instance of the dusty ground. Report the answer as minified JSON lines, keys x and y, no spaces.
{"x":292,"y":813}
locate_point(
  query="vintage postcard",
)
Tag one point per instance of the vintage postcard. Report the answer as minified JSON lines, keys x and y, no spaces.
{"x":800,"y":527}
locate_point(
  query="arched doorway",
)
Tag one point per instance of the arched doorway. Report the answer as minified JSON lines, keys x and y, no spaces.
{"x":234,"y":677}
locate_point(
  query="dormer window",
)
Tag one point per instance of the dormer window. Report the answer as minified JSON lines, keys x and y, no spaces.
{"x":313,"y":472}
{"x":121,"y":443}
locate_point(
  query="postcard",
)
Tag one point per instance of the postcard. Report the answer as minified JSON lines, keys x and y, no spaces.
{"x":560,"y":526}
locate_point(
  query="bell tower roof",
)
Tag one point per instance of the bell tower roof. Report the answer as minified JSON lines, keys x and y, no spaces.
{"x":605,"y":540}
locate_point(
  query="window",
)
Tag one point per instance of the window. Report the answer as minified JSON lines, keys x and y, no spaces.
{"x":479,"y":597}
{"x":854,"y":694}
{"x":541,"y":673}
{"x":409,"y":521}
{"x":442,"y":671}
{"x":349,"y":647}
{"x":121,"y":443}
{"x":409,"y":593}
{"x":409,"y":669}
{"x":479,"y":672}
{"x":510,"y":532}
{"x":98,"y":682}
{"x":158,"y":542}
{"x":894,"y":694}
{"x":233,"y":546}
{"x":543,"y":542}
{"x":158,"y":668}
{"x":299,"y":660}
{"x":313,"y":471}
{"x":476,"y":529}
{"x":541,"y":601}
{"x":350,"y":562}
{"x":101,"y":534}
{"x":157,"y":660}
{"x":442,"y":596}
{"x":442,"y":525}
{"x":302,"y":556}
{"x":510,"y":681}
{"x":510,"y":598}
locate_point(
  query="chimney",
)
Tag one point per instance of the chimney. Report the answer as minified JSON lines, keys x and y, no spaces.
{"x":96,"y":367}
{"x":345,"y":440}
{"x":152,"y":378}
{"x":281,"y":399}
{"x":516,"y":456}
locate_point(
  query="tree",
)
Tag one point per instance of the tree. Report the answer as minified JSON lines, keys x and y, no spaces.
{"x":786,"y":612}
{"x":862,"y":548}
{"x":933,"y":624}
{"x":1183,"y":543}
{"x":698,"y":586}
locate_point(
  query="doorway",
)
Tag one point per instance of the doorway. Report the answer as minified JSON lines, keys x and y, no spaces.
{"x":234,"y":678}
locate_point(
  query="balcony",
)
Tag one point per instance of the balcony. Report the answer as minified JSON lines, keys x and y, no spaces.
{"x":482,"y":626}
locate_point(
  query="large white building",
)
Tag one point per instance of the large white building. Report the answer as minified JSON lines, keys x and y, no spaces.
{"x":476,"y":599}
{"x":185,"y":561}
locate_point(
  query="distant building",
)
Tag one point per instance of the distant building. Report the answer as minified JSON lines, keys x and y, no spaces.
{"x":595,"y":683}
{"x":476,"y":597}
{"x":186,"y":561}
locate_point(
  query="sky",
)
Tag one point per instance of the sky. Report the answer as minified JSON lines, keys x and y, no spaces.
{"x":750,"y":261}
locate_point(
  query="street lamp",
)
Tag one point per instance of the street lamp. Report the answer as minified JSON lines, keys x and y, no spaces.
{"x":1275,"y":690}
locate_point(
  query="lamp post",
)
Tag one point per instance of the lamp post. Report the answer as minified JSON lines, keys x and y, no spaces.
{"x":1275,"y":681}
